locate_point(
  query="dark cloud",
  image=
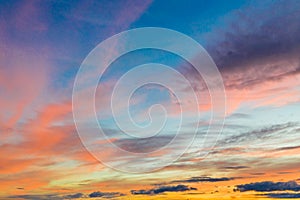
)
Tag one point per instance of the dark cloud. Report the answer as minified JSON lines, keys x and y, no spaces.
{"x":47,"y":196}
{"x":283,"y":195}
{"x":105,"y":194}
{"x":260,"y":41}
{"x":268,"y":186}
{"x":162,"y":189}
{"x":37,"y":197}
{"x":144,"y":145}
{"x":202,"y":179}
{"x":284,"y":172}
{"x":74,"y":196}
{"x":238,"y":116}
{"x":258,"y":174}
{"x":288,"y":148}
{"x":235,"y":167}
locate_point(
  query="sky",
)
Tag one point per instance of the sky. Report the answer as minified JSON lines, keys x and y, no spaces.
{"x":251,"y":153}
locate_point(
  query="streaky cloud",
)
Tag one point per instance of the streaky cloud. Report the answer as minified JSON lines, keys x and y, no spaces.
{"x":162,"y":189}
{"x":203,"y":179}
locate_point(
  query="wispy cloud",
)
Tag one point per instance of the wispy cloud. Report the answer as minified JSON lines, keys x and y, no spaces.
{"x":270,"y":45}
{"x":257,"y":134}
{"x":203,"y":179}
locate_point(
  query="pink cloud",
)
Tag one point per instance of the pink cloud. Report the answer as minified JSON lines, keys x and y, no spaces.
{"x":23,"y":78}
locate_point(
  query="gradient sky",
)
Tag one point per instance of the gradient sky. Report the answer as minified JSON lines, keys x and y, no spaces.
{"x":255,"y":45}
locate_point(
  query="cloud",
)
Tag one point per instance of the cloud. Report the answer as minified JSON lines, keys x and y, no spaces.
{"x":239,"y":116}
{"x":144,"y":145}
{"x":47,"y":196}
{"x":162,"y":189}
{"x":202,"y":179}
{"x":235,"y":167}
{"x":18,"y":87}
{"x":270,"y":46}
{"x":37,"y":197}
{"x":256,"y":134}
{"x":25,"y":70}
{"x":43,"y":138}
{"x":259,"y":65}
{"x":74,"y":196}
{"x":287,"y":148}
{"x":283,"y":195}
{"x":105,"y":194}
{"x":117,"y":16}
{"x":268,"y":186}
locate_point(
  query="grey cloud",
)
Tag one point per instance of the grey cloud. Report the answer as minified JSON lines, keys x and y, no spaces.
{"x":235,"y":167}
{"x":105,"y":194}
{"x":256,"y":134}
{"x":258,"y":174}
{"x":37,"y":197}
{"x":144,"y":145}
{"x":287,"y":148}
{"x":203,"y":179}
{"x":239,"y":116}
{"x":74,"y":196}
{"x":47,"y":196}
{"x":261,"y":39}
{"x":283,"y":195}
{"x":162,"y":189}
{"x":269,"y":186}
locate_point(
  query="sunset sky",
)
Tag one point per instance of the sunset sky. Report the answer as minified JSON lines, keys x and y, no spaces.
{"x":254,"y":44}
